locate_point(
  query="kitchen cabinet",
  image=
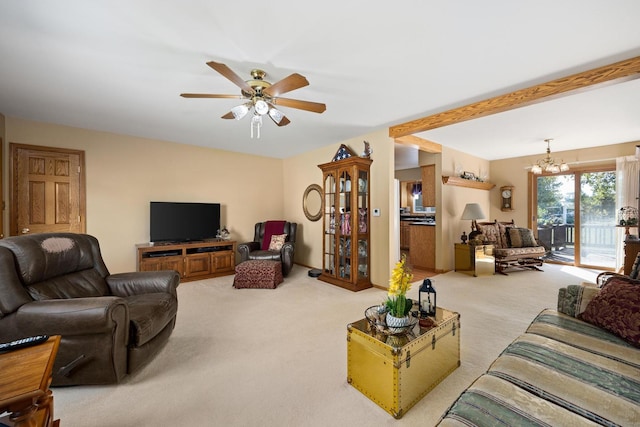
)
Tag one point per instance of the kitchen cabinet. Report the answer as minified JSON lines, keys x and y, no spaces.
{"x":422,"y":246}
{"x":405,"y":234}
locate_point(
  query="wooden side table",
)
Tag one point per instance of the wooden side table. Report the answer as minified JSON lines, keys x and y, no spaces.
{"x":24,"y":385}
{"x":475,"y":259}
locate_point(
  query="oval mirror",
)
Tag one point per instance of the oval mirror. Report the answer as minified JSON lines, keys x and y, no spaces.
{"x":312,"y":202}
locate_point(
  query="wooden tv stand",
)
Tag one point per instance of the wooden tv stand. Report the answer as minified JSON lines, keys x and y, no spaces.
{"x":193,"y":260}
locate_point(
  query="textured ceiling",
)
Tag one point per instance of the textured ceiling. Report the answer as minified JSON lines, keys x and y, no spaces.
{"x":119,"y":66}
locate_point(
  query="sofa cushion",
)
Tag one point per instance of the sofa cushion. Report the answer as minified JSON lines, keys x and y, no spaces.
{"x":80,"y":284}
{"x":580,"y":334}
{"x":616,"y":308}
{"x":517,"y":253}
{"x":44,"y":256}
{"x":502,"y":234}
{"x":520,"y":237}
{"x":149,"y":314}
{"x":491,"y":234}
{"x":593,"y":386}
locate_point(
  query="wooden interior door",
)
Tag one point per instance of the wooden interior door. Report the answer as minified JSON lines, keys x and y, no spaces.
{"x":47,"y":190}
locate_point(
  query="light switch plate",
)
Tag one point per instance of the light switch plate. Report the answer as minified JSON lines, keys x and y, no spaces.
{"x":376,"y":211}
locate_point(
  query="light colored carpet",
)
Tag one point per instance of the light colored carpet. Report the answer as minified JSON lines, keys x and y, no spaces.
{"x":249,"y":357}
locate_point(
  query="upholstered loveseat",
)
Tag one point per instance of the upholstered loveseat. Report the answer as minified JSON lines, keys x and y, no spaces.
{"x":513,"y":246}
{"x":111,"y":324}
{"x":578,"y":365}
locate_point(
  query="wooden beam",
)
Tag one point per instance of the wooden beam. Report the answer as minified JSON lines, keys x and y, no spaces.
{"x":618,"y":72}
{"x":421,"y":143}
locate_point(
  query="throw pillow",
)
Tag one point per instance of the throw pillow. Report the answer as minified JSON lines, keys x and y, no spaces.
{"x":490,"y":233}
{"x":616,"y":308}
{"x":521,"y":237}
{"x":502,"y":235}
{"x":277,"y":241}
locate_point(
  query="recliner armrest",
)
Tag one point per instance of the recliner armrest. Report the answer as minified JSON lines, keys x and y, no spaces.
{"x":286,"y":255}
{"x":287,"y":247}
{"x":74,"y":316}
{"x":143,"y":282}
{"x":245,"y":248}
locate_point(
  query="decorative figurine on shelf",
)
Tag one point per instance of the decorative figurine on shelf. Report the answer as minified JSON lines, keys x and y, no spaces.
{"x":223,"y":233}
{"x":367,"y":150}
{"x":332,"y":220}
{"x":345,"y":223}
{"x":464,"y":238}
{"x":362,"y":220}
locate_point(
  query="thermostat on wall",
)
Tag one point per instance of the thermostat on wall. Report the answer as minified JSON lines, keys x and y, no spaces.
{"x":376,"y":211}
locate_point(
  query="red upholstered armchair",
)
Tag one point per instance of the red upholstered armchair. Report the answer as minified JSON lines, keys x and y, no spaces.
{"x":263,"y":247}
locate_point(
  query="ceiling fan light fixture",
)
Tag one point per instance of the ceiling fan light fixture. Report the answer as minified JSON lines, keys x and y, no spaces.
{"x":261,"y":107}
{"x":549,"y":164}
{"x":240,"y":111}
{"x":276,"y":115}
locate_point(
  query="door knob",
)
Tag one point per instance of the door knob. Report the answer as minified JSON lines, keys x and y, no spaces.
{"x":25,"y":230}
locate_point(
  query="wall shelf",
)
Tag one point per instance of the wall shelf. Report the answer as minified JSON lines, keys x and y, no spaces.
{"x":461,"y":182}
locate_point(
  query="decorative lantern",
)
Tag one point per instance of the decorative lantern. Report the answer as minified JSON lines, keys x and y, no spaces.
{"x":427,"y":298}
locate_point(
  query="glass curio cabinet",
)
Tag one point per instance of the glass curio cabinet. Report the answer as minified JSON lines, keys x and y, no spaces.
{"x":346,"y":217}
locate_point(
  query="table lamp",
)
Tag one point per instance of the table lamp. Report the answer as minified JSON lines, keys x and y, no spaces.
{"x":473,"y":212}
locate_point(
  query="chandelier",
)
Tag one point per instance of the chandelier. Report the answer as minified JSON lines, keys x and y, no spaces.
{"x":549,"y":164}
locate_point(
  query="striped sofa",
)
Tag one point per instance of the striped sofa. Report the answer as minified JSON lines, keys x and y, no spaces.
{"x":563,"y":371}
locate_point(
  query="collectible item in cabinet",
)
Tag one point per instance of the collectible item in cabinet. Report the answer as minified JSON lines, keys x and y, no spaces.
{"x":346,"y":244}
{"x":396,"y":371}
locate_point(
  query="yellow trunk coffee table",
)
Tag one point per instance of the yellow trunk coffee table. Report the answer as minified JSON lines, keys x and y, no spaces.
{"x":396,"y":371}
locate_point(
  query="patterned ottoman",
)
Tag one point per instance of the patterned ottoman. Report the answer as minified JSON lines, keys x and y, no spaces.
{"x":258,"y":274}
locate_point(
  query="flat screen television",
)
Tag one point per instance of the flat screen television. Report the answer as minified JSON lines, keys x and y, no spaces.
{"x":183,"y":222}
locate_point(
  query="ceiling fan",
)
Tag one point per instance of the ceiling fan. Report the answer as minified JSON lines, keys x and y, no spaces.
{"x":261,"y":96}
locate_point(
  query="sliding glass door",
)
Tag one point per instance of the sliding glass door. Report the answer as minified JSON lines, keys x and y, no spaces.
{"x":556,"y":216}
{"x":577,"y":230}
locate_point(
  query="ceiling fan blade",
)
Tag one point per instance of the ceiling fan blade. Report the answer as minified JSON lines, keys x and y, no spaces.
{"x":314,"y":107}
{"x":209,"y":95}
{"x":229,"y":74}
{"x":229,"y":115}
{"x":292,"y":82}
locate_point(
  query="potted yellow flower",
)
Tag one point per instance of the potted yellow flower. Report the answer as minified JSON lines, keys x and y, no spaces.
{"x":397,"y":304}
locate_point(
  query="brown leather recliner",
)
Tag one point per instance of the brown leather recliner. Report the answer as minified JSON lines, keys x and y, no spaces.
{"x":111,"y":324}
{"x":253,"y":250}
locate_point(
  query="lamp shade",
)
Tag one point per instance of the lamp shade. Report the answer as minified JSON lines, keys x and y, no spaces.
{"x":472,"y":211}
